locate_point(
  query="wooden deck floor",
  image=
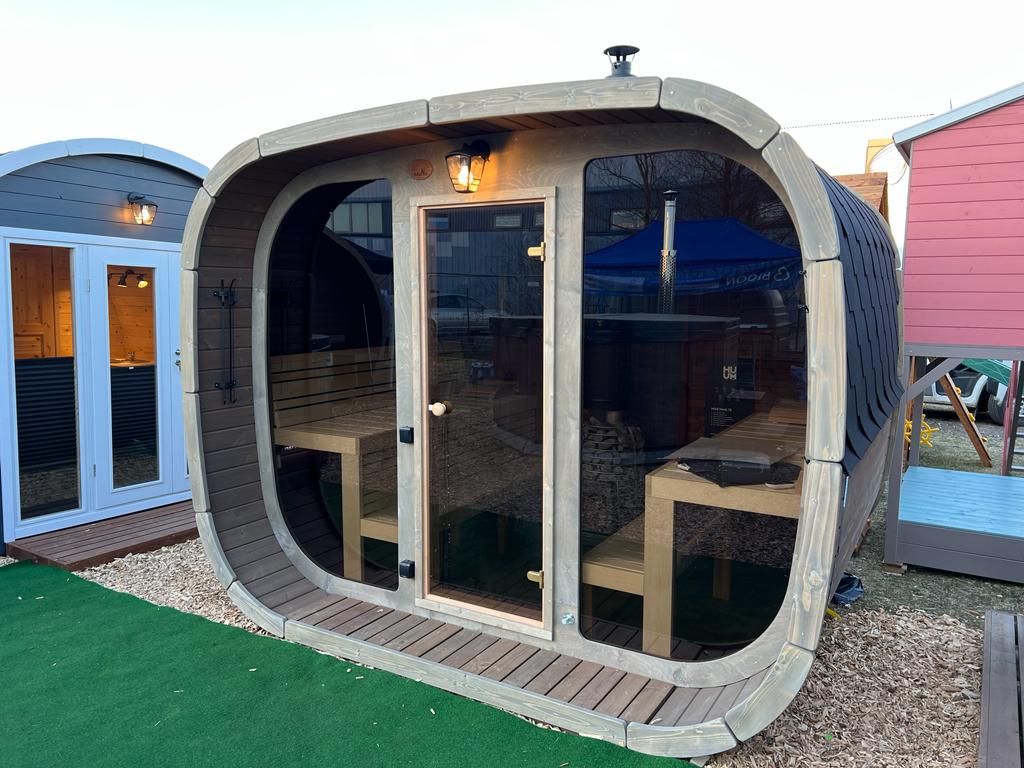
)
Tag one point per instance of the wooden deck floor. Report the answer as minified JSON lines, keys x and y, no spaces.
{"x":87,"y":545}
{"x":967,"y":501}
{"x":584,"y":684}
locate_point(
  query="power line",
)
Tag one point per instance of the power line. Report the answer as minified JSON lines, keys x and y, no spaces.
{"x":854,"y":122}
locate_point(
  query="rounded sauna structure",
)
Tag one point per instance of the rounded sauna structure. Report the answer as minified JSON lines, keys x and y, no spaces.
{"x":592,"y":442}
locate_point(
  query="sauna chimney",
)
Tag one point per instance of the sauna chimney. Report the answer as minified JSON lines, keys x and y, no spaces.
{"x":621,"y":57}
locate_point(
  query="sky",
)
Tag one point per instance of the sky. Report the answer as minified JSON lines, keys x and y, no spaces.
{"x":200,"y":77}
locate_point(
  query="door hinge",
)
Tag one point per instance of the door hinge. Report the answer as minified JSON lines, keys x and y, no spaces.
{"x":536,"y":251}
{"x":537,"y":577}
{"x":94,"y":470}
{"x":88,"y":285}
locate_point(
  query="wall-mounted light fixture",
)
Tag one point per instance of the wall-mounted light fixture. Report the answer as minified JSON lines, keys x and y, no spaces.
{"x":143,"y":210}
{"x":122,"y":278}
{"x":466,"y":165}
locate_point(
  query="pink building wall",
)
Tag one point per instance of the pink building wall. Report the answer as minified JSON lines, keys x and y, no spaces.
{"x":963,"y":261}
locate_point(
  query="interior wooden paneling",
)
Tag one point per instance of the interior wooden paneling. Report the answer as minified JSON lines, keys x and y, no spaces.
{"x":41,"y":301}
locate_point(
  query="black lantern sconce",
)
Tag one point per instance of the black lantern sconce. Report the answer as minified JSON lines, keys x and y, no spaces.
{"x":466,"y":165}
{"x":143,"y":210}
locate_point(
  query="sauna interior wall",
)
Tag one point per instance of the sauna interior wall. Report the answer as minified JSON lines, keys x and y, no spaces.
{"x":534,"y":159}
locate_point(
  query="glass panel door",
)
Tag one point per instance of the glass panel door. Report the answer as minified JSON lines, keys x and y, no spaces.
{"x":483,"y":334}
{"x":44,"y":378}
{"x":135,"y":410}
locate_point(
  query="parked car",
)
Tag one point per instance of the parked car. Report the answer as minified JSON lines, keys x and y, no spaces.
{"x":980,"y":393}
{"x":457,"y":314}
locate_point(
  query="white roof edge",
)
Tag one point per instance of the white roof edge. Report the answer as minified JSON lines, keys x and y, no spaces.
{"x":904,"y":138}
{"x":40,"y":153}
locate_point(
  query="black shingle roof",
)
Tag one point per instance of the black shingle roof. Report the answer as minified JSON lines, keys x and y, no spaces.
{"x":872,"y":319}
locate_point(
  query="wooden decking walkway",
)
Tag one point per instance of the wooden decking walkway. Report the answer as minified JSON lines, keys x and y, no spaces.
{"x":1001,"y":744}
{"x":87,"y":545}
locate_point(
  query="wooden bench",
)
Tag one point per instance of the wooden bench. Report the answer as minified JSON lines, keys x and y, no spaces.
{"x":644,"y":566}
{"x":1000,"y":744}
{"x":342,"y":402}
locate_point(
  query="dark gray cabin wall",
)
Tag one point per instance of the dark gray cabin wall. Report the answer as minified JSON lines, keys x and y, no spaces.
{"x":88,"y":194}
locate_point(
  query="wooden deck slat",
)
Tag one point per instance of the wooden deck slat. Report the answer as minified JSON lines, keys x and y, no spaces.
{"x":409,"y":637}
{"x":353,"y":611}
{"x":508,"y":663}
{"x":599,"y":687}
{"x":536,"y":664}
{"x":470,"y":650}
{"x":674,"y":706}
{"x":328,"y":612}
{"x":726,"y":699}
{"x":385,"y":636}
{"x":700,"y":706}
{"x":358,"y":622}
{"x":485,"y":658}
{"x":386,"y":621}
{"x":574,"y":682}
{"x":431,"y":641}
{"x":622,"y":695}
{"x":285,"y":594}
{"x":646,"y":703}
{"x":306,"y":605}
{"x":451,"y":645}
{"x":553,"y":675}
{"x":88,"y":545}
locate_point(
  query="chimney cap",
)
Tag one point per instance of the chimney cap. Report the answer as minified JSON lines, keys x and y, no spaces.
{"x":621,"y":58}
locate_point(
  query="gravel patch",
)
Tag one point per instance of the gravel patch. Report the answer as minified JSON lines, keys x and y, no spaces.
{"x":886,"y":689}
{"x":177,"y":576}
{"x":5,"y":561}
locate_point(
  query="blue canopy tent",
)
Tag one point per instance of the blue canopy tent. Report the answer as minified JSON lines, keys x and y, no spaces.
{"x":712,"y":256}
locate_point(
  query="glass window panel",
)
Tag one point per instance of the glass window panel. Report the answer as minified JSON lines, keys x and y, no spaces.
{"x":359,"y":217}
{"x":331,"y":344}
{"x":694,"y":370}
{"x":375,"y":218}
{"x":343,"y":218}
{"x":133,"y":385}
{"x":44,"y":375}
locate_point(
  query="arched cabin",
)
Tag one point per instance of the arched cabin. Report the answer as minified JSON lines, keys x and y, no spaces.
{"x":524,"y":443}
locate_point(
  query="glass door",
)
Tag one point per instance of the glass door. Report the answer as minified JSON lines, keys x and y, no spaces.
{"x":139,"y":431}
{"x":484,"y":380}
{"x":46,"y":357}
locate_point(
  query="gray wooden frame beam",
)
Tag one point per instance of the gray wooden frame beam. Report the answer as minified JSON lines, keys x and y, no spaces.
{"x":933,"y":372}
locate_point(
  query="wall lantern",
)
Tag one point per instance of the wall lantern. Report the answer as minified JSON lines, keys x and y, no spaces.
{"x":143,"y":210}
{"x":466,"y":165}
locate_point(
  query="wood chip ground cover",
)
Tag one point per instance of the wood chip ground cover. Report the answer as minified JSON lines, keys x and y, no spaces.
{"x":896,"y":688}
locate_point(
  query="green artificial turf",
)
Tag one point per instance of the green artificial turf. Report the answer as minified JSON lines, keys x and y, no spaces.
{"x":92,"y":677}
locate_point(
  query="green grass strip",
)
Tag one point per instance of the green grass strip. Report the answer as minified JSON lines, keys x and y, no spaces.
{"x":92,"y":677}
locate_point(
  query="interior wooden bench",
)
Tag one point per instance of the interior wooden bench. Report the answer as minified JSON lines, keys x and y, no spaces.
{"x":1001,"y":742}
{"x":342,"y":402}
{"x":619,"y":562}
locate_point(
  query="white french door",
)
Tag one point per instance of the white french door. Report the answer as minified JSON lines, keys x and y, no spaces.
{"x":90,"y":386}
{"x":139,"y":435}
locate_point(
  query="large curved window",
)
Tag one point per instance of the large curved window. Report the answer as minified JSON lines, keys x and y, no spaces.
{"x":694,"y":403}
{"x":331,"y":344}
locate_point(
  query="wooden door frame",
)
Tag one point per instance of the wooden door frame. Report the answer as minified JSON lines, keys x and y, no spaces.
{"x":418,"y":208}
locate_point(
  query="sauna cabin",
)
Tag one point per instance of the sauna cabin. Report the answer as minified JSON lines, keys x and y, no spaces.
{"x":570,"y":398}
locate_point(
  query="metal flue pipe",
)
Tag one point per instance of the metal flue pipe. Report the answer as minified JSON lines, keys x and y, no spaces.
{"x":667,"y":289}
